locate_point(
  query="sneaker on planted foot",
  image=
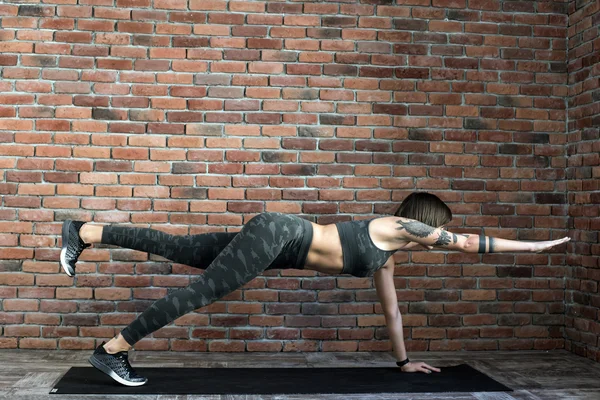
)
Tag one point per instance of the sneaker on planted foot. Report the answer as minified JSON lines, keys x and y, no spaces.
{"x":72,"y":245}
{"x":116,"y":366}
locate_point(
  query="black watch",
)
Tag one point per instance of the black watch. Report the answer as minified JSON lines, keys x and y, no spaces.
{"x":402,"y":363}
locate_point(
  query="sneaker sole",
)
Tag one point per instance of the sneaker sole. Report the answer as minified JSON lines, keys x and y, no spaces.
{"x":103,"y":368}
{"x":63,"y":252}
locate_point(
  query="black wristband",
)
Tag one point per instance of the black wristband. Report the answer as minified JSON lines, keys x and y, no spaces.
{"x":402,"y":363}
{"x":481,"y":244}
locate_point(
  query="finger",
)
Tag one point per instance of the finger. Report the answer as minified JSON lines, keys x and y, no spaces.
{"x":552,"y":244}
{"x":424,"y":370}
{"x":432,"y":368}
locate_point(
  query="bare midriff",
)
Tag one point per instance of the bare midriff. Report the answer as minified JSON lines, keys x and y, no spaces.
{"x":325,"y":252}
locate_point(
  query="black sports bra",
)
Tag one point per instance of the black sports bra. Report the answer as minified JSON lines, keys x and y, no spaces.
{"x":361,"y":257}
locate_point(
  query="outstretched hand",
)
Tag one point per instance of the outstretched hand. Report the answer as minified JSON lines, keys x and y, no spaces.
{"x":419,"y":367}
{"x":538,"y":247}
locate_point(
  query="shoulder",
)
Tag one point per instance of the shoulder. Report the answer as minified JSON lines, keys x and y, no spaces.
{"x":384,"y":228}
{"x":386,"y":222}
{"x":402,"y":228}
{"x":383,"y":221}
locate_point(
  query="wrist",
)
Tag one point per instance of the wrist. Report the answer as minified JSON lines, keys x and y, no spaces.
{"x":402,"y":363}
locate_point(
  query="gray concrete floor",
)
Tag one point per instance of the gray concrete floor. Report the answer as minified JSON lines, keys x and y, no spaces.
{"x":533,"y":375}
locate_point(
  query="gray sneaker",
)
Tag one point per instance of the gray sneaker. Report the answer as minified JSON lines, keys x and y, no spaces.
{"x":116,"y":366}
{"x":72,"y":245}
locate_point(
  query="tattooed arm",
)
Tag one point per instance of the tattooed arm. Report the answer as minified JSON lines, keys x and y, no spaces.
{"x":414,"y":231}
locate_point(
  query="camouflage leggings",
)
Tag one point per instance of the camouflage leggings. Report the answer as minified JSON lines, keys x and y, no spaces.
{"x":230,"y":260}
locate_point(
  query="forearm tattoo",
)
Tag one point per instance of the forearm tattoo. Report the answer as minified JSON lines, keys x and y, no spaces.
{"x":421,"y":230}
{"x":486,"y":243}
{"x":443,"y":239}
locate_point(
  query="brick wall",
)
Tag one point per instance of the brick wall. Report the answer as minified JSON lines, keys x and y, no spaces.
{"x":193,"y":116}
{"x":582,"y":296}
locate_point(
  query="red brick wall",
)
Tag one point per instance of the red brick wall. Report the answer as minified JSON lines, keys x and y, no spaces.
{"x":582,"y":297}
{"x":193,"y":116}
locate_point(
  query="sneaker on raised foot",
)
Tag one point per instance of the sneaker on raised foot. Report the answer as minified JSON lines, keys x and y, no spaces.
{"x":72,"y":245}
{"x":116,"y":366}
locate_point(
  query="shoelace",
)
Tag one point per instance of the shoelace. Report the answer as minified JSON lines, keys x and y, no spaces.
{"x":124,"y":360}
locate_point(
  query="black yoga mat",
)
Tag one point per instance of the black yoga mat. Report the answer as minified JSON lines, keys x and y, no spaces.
{"x":460,"y":378}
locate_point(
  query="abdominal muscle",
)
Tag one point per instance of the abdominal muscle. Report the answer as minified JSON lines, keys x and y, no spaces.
{"x":325,"y":252}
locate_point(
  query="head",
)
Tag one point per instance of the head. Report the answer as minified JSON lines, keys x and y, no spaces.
{"x":426,"y":208}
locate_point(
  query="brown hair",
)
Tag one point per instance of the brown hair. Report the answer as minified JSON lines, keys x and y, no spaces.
{"x":426,"y":208}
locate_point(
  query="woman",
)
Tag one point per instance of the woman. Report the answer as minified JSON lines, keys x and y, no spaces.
{"x":279,"y":241}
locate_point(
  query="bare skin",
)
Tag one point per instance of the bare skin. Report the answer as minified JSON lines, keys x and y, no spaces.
{"x":394,"y":233}
{"x":387,"y":233}
{"x":325,"y":255}
{"x":91,"y":233}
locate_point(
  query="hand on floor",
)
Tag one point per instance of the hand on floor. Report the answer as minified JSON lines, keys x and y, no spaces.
{"x":419,"y":367}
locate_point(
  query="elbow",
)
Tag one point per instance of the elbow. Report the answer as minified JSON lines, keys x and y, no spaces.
{"x":392,"y":315}
{"x":471,"y":245}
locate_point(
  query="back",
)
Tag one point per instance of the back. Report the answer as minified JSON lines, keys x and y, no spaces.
{"x":361,"y":256}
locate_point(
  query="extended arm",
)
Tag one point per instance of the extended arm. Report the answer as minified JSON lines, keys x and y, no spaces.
{"x":428,"y":236}
{"x":386,"y":292}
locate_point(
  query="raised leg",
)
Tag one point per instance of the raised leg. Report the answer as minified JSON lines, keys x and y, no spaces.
{"x":194,"y":250}
{"x":249,"y":253}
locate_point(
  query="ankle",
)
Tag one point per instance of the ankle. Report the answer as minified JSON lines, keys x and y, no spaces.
{"x":113,"y":349}
{"x":117,"y":344}
{"x":90,"y":233}
{"x":83,"y":232}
